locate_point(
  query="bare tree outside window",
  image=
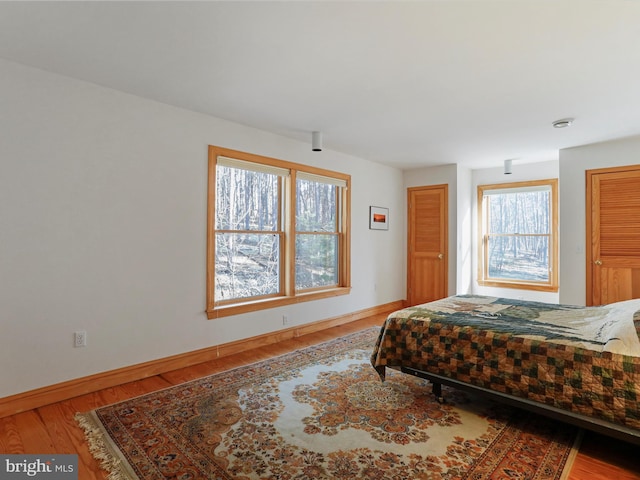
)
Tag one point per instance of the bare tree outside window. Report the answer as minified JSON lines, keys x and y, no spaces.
{"x":247,"y":234}
{"x":278,"y":233}
{"x":518,"y":237}
{"x":316,"y":235}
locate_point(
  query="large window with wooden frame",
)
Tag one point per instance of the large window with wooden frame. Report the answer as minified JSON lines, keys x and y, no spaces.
{"x":278,"y":233}
{"x":518,"y":235}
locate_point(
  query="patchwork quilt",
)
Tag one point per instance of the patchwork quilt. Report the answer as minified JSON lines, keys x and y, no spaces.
{"x":584,"y":360}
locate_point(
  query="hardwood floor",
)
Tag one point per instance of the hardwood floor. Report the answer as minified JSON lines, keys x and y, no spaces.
{"x":52,"y":428}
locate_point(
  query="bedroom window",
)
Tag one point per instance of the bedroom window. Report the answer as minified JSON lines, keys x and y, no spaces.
{"x":518,"y":244}
{"x":278,"y":233}
{"x":318,"y":223}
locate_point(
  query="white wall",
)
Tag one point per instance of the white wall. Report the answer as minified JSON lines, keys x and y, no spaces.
{"x":103,"y":228}
{"x":574,"y":162}
{"x":521,"y":173}
{"x":465,"y":232}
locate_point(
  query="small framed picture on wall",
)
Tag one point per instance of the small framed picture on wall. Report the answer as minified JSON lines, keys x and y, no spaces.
{"x":378,"y":218}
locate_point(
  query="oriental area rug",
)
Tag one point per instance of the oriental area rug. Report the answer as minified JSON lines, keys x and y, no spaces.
{"x":323,"y":413}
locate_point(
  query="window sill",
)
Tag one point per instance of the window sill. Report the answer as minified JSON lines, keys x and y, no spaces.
{"x":519,"y":285}
{"x":253,"y":306}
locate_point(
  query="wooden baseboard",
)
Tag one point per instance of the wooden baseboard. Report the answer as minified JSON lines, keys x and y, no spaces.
{"x":80,"y":386}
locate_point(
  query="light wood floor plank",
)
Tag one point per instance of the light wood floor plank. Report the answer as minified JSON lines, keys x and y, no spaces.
{"x":34,"y":434}
{"x":10,"y":436}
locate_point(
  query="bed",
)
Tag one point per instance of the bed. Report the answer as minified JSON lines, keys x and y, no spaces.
{"x":577,"y":364}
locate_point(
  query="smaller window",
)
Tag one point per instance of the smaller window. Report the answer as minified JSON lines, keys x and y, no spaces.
{"x":518,"y":245}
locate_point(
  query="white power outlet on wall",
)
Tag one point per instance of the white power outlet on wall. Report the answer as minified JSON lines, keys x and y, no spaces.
{"x":80,"y":338}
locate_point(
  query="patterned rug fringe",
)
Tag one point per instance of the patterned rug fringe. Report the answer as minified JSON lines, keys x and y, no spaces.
{"x":103,"y":452}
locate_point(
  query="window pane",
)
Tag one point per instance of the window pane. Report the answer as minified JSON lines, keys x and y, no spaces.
{"x":315,"y":207}
{"x":316,"y":261}
{"x":522,"y":212}
{"x":246,"y":200}
{"x":247,"y":265}
{"x":523,"y":258}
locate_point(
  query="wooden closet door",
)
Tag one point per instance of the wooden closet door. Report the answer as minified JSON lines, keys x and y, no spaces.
{"x":613,"y":223}
{"x":427,"y":244}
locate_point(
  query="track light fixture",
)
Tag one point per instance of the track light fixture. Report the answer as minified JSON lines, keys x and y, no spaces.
{"x":507,"y":167}
{"x":316,"y":141}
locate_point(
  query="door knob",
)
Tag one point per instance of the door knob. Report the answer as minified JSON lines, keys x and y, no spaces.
{"x":598,"y":262}
{"x":440,"y":256}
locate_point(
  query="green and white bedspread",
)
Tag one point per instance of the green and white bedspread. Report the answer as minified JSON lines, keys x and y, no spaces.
{"x":584,"y":360}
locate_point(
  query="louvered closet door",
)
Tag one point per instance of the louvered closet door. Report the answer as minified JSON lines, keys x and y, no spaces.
{"x":427,"y":244}
{"x":613,"y":254}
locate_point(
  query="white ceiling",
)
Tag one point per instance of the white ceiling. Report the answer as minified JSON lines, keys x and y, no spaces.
{"x":407,"y":84}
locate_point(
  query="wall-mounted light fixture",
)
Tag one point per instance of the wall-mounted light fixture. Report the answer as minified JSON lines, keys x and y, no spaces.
{"x":316,"y":141}
{"x":507,"y":167}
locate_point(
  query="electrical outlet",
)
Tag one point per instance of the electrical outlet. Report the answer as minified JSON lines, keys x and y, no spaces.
{"x":80,"y":338}
{"x":285,"y":320}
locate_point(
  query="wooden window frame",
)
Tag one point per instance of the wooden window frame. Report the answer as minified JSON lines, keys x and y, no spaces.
{"x":483,"y":278}
{"x":288,"y":294}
